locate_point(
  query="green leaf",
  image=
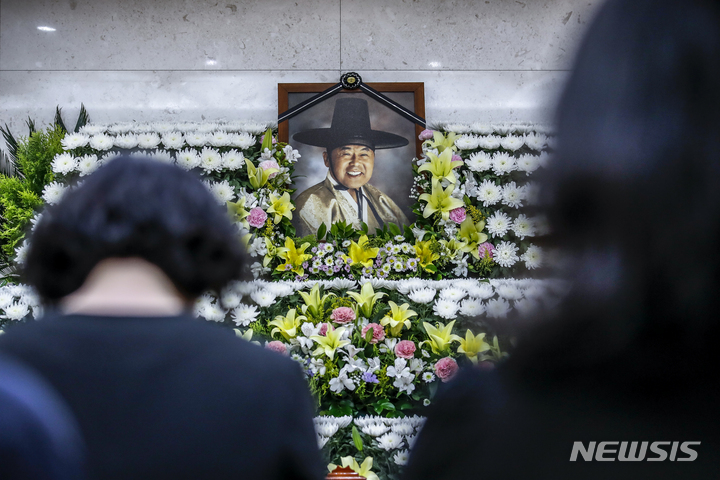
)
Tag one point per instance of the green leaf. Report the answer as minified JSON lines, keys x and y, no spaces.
{"x":58,"y":119}
{"x":357,"y":440}
{"x":83,"y":118}
{"x":382,"y":405}
{"x":322,"y":230}
{"x":267,"y":140}
{"x":393,"y":228}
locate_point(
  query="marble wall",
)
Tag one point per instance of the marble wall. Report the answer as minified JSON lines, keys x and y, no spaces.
{"x":492,"y":60}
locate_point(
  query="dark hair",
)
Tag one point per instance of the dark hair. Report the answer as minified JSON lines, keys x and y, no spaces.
{"x":634,"y":196}
{"x":135,"y":207}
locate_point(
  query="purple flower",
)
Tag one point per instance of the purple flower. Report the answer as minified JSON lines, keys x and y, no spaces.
{"x":347,"y":268}
{"x":267,"y":164}
{"x":257,"y":217}
{"x":456,"y":158}
{"x":313,"y":250}
{"x":368,"y":377}
{"x":457,"y":215}
{"x":305,"y":265}
{"x":426,"y":135}
{"x":336,"y":268}
{"x":324,"y":268}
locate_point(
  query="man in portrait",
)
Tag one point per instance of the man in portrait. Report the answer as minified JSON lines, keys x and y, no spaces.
{"x":349,"y":155}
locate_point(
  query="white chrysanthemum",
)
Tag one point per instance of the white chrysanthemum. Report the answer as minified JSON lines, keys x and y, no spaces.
{"x":479,"y":162}
{"x":230,"y":299}
{"x":326,"y":429}
{"x":401,"y":457}
{"x":255,"y":128}
{"x":263,"y":298}
{"x":102,"y":142}
{"x":223,"y":192}
{"x":210,"y":160}
{"x":535,"y":141}
{"x":428,"y":377}
{"x":544,"y":159}
{"x":522,"y":227}
{"x":533,"y":257}
{"x":243,"y":140}
{"x":528,"y":163}
{"x":502,"y":128}
{"x":212,"y":312}
{"x":505,"y":254}
{"x":21,"y":253}
{"x":497,"y":308}
{"x":482,"y":128}
{"x":402,"y":427}
{"x":173,"y":140}
{"x":126,"y":141}
{"x":445,"y":308}
{"x":6,"y":297}
{"x":187,"y":159}
{"x":458,"y":128}
{"x":196,"y":139}
{"x":454,"y":294}
{"x":233,"y":160}
{"x":512,"y":143}
{"x":16,"y":311}
{"x":422,"y":295}
{"x":279,"y":289}
{"x":148,"y":140}
{"x":509,"y":292}
{"x":526,"y":307}
{"x":87,"y":164}
{"x":71,"y":141}
{"x":244,"y":315}
{"x":64,"y":163}
{"x":503,"y":163}
{"x":467,"y":142}
{"x":498,"y":224}
{"x":490,"y":142}
{"x":390,"y":441}
{"x":220,"y":139}
{"x":120,"y":128}
{"x":93,"y":128}
{"x":374,"y":429}
{"x":489,"y":193}
{"x":532,"y":193}
{"x":512,"y":195}
{"x":53,"y":192}
{"x":471,"y":307}
{"x":163,"y":156}
{"x":406,"y":286}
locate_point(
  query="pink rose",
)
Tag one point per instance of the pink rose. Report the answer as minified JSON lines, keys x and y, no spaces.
{"x":456,"y":158}
{"x":446,"y":368}
{"x":342,"y":315}
{"x":257,"y":217}
{"x":277,"y":346}
{"x":426,"y":135}
{"x":405,"y":349}
{"x":378,"y":332}
{"x":486,"y":248}
{"x":323,"y":329}
{"x":266,"y":164}
{"x":457,"y":215}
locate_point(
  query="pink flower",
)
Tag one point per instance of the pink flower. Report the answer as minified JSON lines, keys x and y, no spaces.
{"x":456,"y":158}
{"x":405,"y":349}
{"x":446,"y":368}
{"x":323,"y":329}
{"x":426,"y":135}
{"x":378,"y":332}
{"x":257,"y":217}
{"x":277,"y":346}
{"x":486,"y":248}
{"x":342,"y":315}
{"x":457,"y":215}
{"x":265,"y":164}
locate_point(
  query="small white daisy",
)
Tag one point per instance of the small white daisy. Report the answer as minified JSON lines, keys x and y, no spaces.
{"x":428,"y":377}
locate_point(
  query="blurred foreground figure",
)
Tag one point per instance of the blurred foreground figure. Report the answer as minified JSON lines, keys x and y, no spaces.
{"x":157,"y":393}
{"x":39,"y":439}
{"x":634,"y":198}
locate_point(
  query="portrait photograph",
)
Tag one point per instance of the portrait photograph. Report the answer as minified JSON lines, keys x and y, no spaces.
{"x":355,"y":163}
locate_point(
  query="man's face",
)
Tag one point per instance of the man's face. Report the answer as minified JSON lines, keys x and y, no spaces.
{"x":351,"y":165}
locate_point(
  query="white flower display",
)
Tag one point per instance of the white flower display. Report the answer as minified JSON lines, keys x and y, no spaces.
{"x":498,"y":224}
{"x":196,"y":139}
{"x":243,"y":140}
{"x":489,"y":142}
{"x":64,"y":163}
{"x":533,"y":257}
{"x":482,"y":291}
{"x":188,"y":159}
{"x":93,"y":129}
{"x":233,"y":160}
{"x":512,"y":195}
{"x":263,"y":298}
{"x":528,"y":163}
{"x":210,"y":160}
{"x":71,"y":141}
{"x":467,"y":142}
{"x":497,"y":308}
{"x":489,"y":193}
{"x":452,"y":293}
{"x":102,"y":142}
{"x":503,"y":163}
{"x":87,"y":164}
{"x":16,"y":311}
{"x":509,"y":292}
{"x":401,"y":457}
{"x":127,"y":141}
{"x":479,"y":162}
{"x":148,"y":140}
{"x":471,"y":307}
{"x":535,"y":141}
{"x":220,"y":139}
{"x":457,"y":128}
{"x":445,"y":308}
{"x":482,"y":128}
{"x":390,"y":441}
{"x":422,"y":295}
{"x":523,"y":227}
{"x":505,"y":254}
{"x":173,"y":140}
{"x":512,"y":143}
{"x":53,"y":192}
{"x":374,"y":429}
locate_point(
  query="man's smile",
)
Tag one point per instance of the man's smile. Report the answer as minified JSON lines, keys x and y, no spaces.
{"x":354,"y":174}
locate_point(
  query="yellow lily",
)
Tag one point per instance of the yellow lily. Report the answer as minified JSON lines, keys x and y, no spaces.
{"x":281,"y":206}
{"x":441,"y":166}
{"x":472,"y":233}
{"x":293,"y":256}
{"x":246,"y":336}
{"x":257,"y":176}
{"x":363,"y":470}
{"x":330,"y":342}
{"x":442,"y":142}
{"x":425,"y":255}
{"x":440,"y":200}
{"x":237,"y":212}
{"x":272,"y":251}
{"x":360,"y":252}
{"x":366,"y":299}
{"x":472,"y":345}
{"x":440,"y":336}
{"x":397,"y":318}
{"x":287,"y":326}
{"x":453,"y":246}
{"x":313,"y":301}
